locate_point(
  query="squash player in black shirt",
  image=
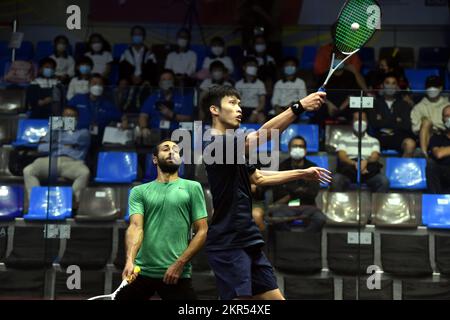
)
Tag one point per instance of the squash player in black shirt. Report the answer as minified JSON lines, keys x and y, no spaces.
{"x":234,"y":241}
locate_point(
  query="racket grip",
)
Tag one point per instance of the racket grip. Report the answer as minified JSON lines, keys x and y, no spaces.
{"x":321,"y":89}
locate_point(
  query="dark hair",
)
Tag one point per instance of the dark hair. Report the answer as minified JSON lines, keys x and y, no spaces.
{"x":433,"y":81}
{"x":390,"y":75}
{"x":72,"y":108}
{"x":250,"y":59}
{"x":97,"y":76}
{"x":137,"y":27}
{"x":55,"y":42}
{"x":184,"y":30}
{"x":290,"y":59}
{"x":47,"y":60}
{"x":295,"y":138}
{"x":218,"y":40}
{"x":214,"y":97}
{"x":167,"y":71}
{"x":85,"y":60}
{"x":156,"y":148}
{"x":217,"y":64}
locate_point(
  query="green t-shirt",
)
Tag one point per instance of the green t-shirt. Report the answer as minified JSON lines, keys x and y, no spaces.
{"x":169,"y":210}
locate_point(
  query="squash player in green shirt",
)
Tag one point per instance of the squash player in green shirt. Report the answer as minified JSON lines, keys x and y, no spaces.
{"x":162,"y":213}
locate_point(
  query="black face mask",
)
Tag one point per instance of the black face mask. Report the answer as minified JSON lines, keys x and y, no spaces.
{"x":168,"y":167}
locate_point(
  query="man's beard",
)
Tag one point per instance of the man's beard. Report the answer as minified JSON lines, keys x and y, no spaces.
{"x":170,"y":168}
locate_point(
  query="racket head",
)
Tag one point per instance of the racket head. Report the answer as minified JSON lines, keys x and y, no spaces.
{"x":367,"y":13}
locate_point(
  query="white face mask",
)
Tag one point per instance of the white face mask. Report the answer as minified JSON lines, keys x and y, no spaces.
{"x":297,"y":153}
{"x":433,"y":92}
{"x":96,"y":90}
{"x":356,"y":126}
{"x":96,"y":47}
{"x":447,"y":123}
{"x":260,"y":48}
{"x":182,"y":43}
{"x":390,"y":90}
{"x":217,"y":50}
{"x":251,"y":70}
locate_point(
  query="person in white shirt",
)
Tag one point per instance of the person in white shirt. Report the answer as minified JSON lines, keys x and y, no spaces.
{"x":182,"y":61}
{"x":138,"y":63}
{"x":65,"y":64}
{"x":80,"y":83}
{"x":218,"y":54}
{"x":289,"y":88}
{"x":253,"y":93}
{"x":218,"y":72}
{"x":100,"y":53}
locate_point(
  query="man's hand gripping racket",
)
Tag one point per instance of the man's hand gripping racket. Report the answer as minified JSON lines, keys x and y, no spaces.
{"x":124,"y":283}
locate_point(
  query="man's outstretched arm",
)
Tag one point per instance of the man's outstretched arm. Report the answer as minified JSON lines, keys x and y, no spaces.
{"x":271,"y":178}
{"x":311,"y":102}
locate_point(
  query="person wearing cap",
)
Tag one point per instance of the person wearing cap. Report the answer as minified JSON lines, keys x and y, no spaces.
{"x":426,"y":116}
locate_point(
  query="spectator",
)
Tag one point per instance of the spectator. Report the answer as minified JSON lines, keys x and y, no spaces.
{"x":70,"y":148}
{"x":348,"y":160}
{"x":323,"y":58}
{"x":253,"y":93}
{"x":165,"y":108}
{"x":100,"y":53}
{"x":438,"y":166}
{"x":138,"y":63}
{"x":391,"y":119}
{"x":44,"y":94}
{"x":218,"y":71}
{"x":301,"y":191}
{"x":375,"y":78}
{"x":290,"y":88}
{"x":182,"y":61}
{"x":94,"y":109}
{"x":426,"y":116}
{"x":80,"y":83}
{"x":267,"y":66}
{"x":218,"y":54}
{"x":65,"y":64}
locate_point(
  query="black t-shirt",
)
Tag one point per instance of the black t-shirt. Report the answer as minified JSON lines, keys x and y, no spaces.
{"x":440,"y":140}
{"x":232,"y":225}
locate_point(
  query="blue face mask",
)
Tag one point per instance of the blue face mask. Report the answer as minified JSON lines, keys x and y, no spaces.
{"x":290,"y":70}
{"x":137,"y":39}
{"x":48,"y":72}
{"x":84,"y":69}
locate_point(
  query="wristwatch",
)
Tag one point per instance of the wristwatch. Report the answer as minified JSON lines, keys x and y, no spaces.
{"x":297,"y":108}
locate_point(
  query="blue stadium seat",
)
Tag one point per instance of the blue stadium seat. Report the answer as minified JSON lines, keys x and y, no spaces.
{"x":201,"y":52}
{"x":127,"y":214}
{"x":389,"y":152}
{"x":308,"y":57}
{"x":43,"y":50}
{"x":406,"y":173}
{"x":119,"y":49}
{"x":4,"y":49}
{"x":114,"y":75}
{"x":308,"y":131}
{"x":436,"y":211}
{"x":50,"y":203}
{"x":151,"y":171}
{"x":11,"y":202}
{"x":417,"y":77}
{"x":367,"y":56}
{"x":25,"y":52}
{"x":4,"y":61}
{"x":116,"y":167}
{"x":30,"y":131}
{"x":290,"y":52}
{"x":80,"y":50}
{"x":320,"y":161}
{"x":433,"y":57}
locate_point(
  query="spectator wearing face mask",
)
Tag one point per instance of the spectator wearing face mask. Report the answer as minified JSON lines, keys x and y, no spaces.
{"x":94,"y":109}
{"x":390,"y":119}
{"x":182,"y":61}
{"x":348,"y":160}
{"x":218,"y":54}
{"x":426,"y":116}
{"x":438,"y":166}
{"x":43,"y":96}
{"x":165,"y":108}
{"x":300,"y":194}
{"x":253,"y":93}
{"x":65,"y":64}
{"x":138,"y":63}
{"x":80,"y":83}
{"x":289,"y":88}
{"x":100,"y":53}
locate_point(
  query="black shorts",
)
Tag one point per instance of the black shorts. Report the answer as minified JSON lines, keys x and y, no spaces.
{"x":393,"y":142}
{"x":242,"y":272}
{"x":143,"y":288}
